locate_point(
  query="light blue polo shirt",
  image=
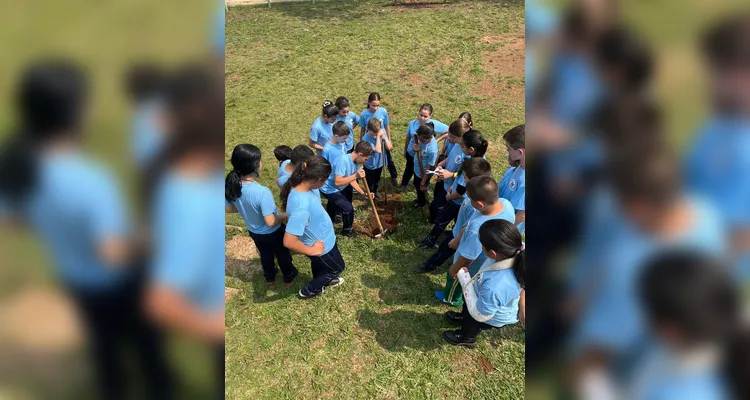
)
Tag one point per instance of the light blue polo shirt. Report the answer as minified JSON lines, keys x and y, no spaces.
{"x":321,"y":133}
{"x":351,"y":121}
{"x":498,"y":294}
{"x":513,"y":187}
{"x":429,"y":156}
{"x":381,"y":114}
{"x":309,"y":220}
{"x":332,"y":151}
{"x":376,"y":160}
{"x":344,"y":167}
{"x":439,"y":128}
{"x":453,"y":163}
{"x":255,"y":203}
{"x":469,"y":247}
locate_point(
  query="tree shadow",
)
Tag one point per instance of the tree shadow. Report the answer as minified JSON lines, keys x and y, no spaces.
{"x":401,"y":330}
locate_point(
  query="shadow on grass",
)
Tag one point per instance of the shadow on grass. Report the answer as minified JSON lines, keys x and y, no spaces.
{"x":251,"y":272}
{"x":402,"y":330}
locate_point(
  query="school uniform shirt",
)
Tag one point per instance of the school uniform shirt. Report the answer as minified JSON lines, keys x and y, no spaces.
{"x":469,"y":247}
{"x":376,"y":160}
{"x":453,"y":163}
{"x":498,"y":294}
{"x":309,"y":220}
{"x":255,"y":203}
{"x":331,"y":151}
{"x":282,"y":168}
{"x":454,"y":187}
{"x":189,"y":239}
{"x":344,"y":167}
{"x":75,"y":205}
{"x":513,"y":187}
{"x":411,"y":132}
{"x":351,"y":121}
{"x":321,"y":133}
{"x":611,"y":316}
{"x":429,"y":157}
{"x":464,"y":214}
{"x":381,"y":114}
{"x":148,"y":139}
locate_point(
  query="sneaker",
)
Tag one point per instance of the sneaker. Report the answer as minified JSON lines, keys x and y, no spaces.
{"x":456,"y":338}
{"x":440,"y":295}
{"x":270,"y":283}
{"x":289,"y":282}
{"x":454,"y":316}
{"x":422,"y":269}
{"x":426,"y":244}
{"x":351,"y":233}
{"x":305,"y":296}
{"x":335,"y":282}
{"x":337,"y":219}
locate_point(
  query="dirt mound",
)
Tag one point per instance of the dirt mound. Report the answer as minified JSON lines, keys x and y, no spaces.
{"x":388,"y":218}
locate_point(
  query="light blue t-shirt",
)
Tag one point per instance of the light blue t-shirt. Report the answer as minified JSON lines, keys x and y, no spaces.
{"x":148,"y":139}
{"x":429,"y":157}
{"x":439,"y":128}
{"x":464,"y":214}
{"x":74,"y":207}
{"x":189,"y":239}
{"x":498,"y":294}
{"x":381,"y":114}
{"x":454,"y":187}
{"x":282,"y":168}
{"x":320,"y":133}
{"x":344,"y":167}
{"x":611,"y":316}
{"x":513,"y":187}
{"x":376,"y":160}
{"x":255,"y":203}
{"x":576,"y":91}
{"x":351,"y":121}
{"x":309,"y":220}
{"x":469,"y":247}
{"x":453,"y":163}
{"x":331,"y":151}
{"x":449,"y":146}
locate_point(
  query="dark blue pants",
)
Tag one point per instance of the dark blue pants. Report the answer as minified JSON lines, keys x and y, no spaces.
{"x":338,"y":202}
{"x":272,"y":245}
{"x":446,"y":215}
{"x":408,"y":170}
{"x":470,"y":327}
{"x":373,"y":178}
{"x":438,"y":200}
{"x":391,"y":165}
{"x":421,"y":196}
{"x":324,"y":268}
{"x":442,"y":254}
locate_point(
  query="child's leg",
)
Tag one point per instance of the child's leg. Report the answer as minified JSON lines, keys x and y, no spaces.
{"x":324,"y":269}
{"x":373,"y":178}
{"x":391,"y":166}
{"x":438,"y":201}
{"x":348,"y":192}
{"x":449,"y":213}
{"x":408,"y":170}
{"x":470,"y":327}
{"x":330,"y":208}
{"x":283,"y":256}
{"x":442,"y":254}
{"x":421,"y":197}
{"x":264,"y":244}
{"x":345,"y":207}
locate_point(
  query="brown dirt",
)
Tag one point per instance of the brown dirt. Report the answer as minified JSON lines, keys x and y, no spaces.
{"x":485,"y":365}
{"x":229,"y":292}
{"x":388,"y":219}
{"x":503,"y":62}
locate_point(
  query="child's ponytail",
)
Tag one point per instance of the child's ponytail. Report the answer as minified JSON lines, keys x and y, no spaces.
{"x":315,"y":169}
{"x":329,"y":109}
{"x":474,"y":139}
{"x":245,"y":161}
{"x":233,"y":186}
{"x":519,"y":267}
{"x":505,"y":240}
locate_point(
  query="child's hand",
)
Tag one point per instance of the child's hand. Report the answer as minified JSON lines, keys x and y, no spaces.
{"x":361,"y":173}
{"x":415,"y":147}
{"x":423,"y":188}
{"x":445,"y":174}
{"x":453,"y":244}
{"x":453,"y":270}
{"x":317,"y":248}
{"x":522,"y":315}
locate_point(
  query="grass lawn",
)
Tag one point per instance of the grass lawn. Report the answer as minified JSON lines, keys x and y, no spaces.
{"x":378,"y":335}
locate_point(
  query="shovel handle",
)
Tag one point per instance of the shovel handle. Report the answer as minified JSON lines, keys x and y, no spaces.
{"x":374,"y":209}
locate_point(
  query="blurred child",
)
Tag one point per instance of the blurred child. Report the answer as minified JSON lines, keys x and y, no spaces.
{"x":300,"y":154}
{"x":427,"y":147}
{"x":482,"y":192}
{"x":145,"y":85}
{"x":472,"y":168}
{"x":424,"y":116}
{"x":491,"y":296}
{"x":452,"y":195}
{"x":343,"y":181}
{"x":350,"y":118}
{"x":255,"y":203}
{"x":513,"y":183}
{"x":376,"y":136}
{"x":309,"y":230}
{"x":337,"y":145}
{"x":692,"y":305}
{"x":321,"y":130}
{"x":375,"y":110}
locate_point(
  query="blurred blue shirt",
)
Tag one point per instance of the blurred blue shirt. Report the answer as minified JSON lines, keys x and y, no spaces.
{"x":453,"y":163}
{"x":498,"y":294}
{"x":376,"y":160}
{"x":255,"y":203}
{"x":189,"y":239}
{"x":147,"y":137}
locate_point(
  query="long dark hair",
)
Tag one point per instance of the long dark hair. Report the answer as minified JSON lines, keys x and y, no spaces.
{"x":329,"y":109}
{"x":50,"y":101}
{"x":474,"y":138}
{"x":246,"y":161}
{"x":301,"y":154}
{"x":503,"y":238}
{"x":467,"y":117}
{"x":315,"y":169}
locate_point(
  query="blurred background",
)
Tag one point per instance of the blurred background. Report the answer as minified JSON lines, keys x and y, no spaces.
{"x":44,"y":342}
{"x":639,"y":117}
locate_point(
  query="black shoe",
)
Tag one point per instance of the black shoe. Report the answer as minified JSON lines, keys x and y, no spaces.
{"x":417,"y":205}
{"x":310,"y":295}
{"x":334,"y":282}
{"x":454,"y":316}
{"x":456,"y":338}
{"x":350,"y":234}
{"x":426,"y":244}
{"x":422,"y":269}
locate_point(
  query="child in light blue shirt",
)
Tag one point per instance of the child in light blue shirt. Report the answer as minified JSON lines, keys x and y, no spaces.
{"x":513,"y":183}
{"x":428,"y":153}
{"x":322,"y":129}
{"x":375,"y":111}
{"x":350,"y":118}
{"x":424,"y":116}
{"x":337,"y":145}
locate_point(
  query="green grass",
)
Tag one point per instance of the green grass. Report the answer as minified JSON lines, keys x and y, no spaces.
{"x":378,"y":335}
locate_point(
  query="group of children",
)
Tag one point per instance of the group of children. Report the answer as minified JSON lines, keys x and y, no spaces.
{"x":485,"y":243}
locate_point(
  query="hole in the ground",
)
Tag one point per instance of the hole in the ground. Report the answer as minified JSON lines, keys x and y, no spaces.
{"x":388,"y":218}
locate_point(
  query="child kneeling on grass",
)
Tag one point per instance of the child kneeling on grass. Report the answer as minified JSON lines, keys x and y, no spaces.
{"x":309,"y":231}
{"x":492,"y":295}
{"x":255,"y":203}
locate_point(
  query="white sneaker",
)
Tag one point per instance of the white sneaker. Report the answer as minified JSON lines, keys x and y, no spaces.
{"x":335,"y":282}
{"x":309,"y":296}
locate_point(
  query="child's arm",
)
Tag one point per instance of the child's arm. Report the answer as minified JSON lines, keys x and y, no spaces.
{"x":378,"y":148}
{"x":406,"y":142}
{"x":522,"y":308}
{"x":453,"y":244}
{"x":453,"y":196}
{"x":442,"y":137}
{"x":275,"y":219}
{"x":460,"y":263}
{"x":339,"y":180}
{"x":314,"y":145}
{"x":388,"y":144}
{"x":520,"y":217}
{"x":293,"y":243}
{"x":362,"y":134}
{"x":426,"y":178}
{"x":230,"y":208}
